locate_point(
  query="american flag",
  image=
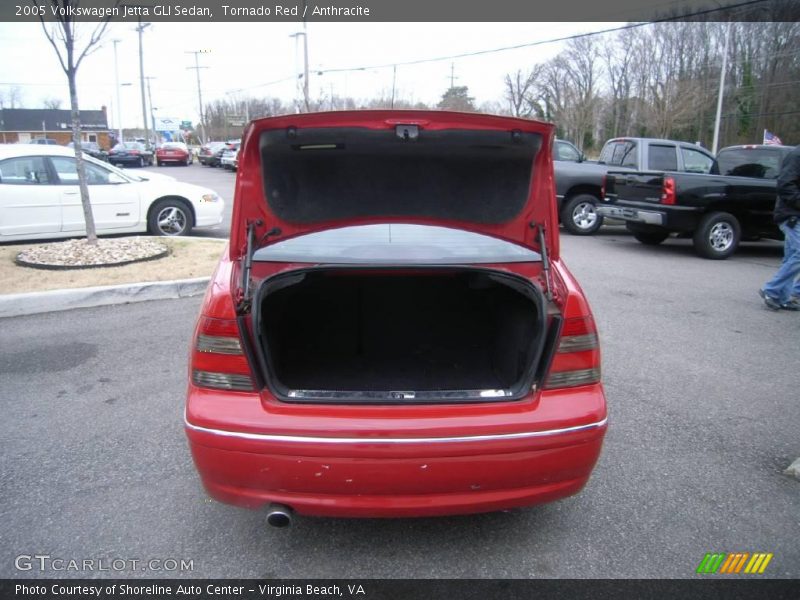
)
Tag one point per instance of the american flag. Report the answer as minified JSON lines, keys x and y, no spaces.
{"x":770,"y":139}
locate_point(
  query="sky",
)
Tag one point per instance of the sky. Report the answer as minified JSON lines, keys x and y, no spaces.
{"x":240,"y":58}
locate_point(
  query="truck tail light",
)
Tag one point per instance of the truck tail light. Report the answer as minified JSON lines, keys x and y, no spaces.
{"x":668,"y":191}
{"x":603,"y":188}
{"x":577,"y":359}
{"x":218,"y":359}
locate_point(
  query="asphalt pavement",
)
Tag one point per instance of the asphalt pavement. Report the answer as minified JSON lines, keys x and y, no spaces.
{"x":702,"y":387}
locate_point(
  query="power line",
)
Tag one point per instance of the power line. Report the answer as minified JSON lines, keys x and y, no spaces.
{"x":543,"y":42}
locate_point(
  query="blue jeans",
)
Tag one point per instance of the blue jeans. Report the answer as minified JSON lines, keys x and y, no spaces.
{"x":786,"y":282}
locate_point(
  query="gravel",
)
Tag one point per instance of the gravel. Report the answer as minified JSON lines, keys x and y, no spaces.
{"x":79,"y":253}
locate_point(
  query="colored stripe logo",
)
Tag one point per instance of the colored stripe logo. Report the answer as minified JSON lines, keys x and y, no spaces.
{"x":734,"y":563}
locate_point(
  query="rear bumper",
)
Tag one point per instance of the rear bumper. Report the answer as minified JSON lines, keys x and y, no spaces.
{"x":340,"y":474}
{"x":635,"y":215}
{"x":670,"y":218}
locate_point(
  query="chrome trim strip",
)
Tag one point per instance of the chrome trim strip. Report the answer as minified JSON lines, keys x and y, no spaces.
{"x":262,"y":437}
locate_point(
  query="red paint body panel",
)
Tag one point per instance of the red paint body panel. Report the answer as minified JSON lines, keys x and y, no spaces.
{"x":250,"y":203}
{"x":390,"y":460}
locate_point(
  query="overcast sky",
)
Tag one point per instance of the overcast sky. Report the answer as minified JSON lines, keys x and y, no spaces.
{"x":245,"y":56}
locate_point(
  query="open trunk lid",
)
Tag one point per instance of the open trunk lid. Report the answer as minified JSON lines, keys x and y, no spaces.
{"x":306,"y":173}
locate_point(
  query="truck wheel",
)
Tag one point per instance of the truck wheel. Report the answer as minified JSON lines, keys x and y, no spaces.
{"x":651,"y":238}
{"x":579,"y":215}
{"x":717,"y":236}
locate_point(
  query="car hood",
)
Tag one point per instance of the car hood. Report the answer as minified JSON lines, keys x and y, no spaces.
{"x":147,"y":176}
{"x":158,"y":187}
{"x":300,"y":174}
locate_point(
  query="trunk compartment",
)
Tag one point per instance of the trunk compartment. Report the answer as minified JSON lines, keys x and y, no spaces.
{"x":399,"y":335}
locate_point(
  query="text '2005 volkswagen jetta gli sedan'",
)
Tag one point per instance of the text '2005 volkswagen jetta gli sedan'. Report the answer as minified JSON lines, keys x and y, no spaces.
{"x":392,"y":331}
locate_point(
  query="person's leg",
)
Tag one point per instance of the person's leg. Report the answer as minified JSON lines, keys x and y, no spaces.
{"x":784,"y":283}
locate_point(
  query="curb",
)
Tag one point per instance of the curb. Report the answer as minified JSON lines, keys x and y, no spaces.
{"x":31,"y":303}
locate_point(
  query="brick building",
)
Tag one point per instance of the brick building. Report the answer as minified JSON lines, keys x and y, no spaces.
{"x":27,"y":124}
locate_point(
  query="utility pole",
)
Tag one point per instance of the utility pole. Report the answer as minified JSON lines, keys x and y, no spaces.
{"x":452,"y":75}
{"x":715,"y":144}
{"x":197,"y":68}
{"x":116,"y":87}
{"x":140,"y":29}
{"x":150,"y":100}
{"x":394,"y":80}
{"x":305,"y":64}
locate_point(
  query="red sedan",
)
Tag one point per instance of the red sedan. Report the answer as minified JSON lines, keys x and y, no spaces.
{"x":173,"y":152}
{"x":392,"y":331}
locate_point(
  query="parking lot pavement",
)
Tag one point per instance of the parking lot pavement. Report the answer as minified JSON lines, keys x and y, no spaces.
{"x":702,"y":389}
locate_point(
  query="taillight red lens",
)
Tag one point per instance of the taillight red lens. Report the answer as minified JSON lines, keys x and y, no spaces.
{"x":218,"y":360}
{"x":603,"y":188}
{"x":668,"y":191}
{"x":577,"y":359}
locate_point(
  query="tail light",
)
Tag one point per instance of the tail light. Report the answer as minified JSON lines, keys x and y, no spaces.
{"x":603,"y":188}
{"x":577,"y":359}
{"x":218,"y":359}
{"x":668,"y":191}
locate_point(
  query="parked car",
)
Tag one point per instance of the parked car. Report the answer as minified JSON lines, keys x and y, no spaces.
{"x":43,"y":141}
{"x":208,"y":153}
{"x":579,"y":182}
{"x":93,"y":149}
{"x":173,"y":152}
{"x":393,"y":331}
{"x":40,"y":198}
{"x":228,"y":160}
{"x":131,"y":153}
{"x":716,"y":210}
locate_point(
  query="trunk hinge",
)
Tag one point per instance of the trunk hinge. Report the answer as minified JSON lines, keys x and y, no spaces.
{"x":245,"y":292}
{"x":540,"y":231}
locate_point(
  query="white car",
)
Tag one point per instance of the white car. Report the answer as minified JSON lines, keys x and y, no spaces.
{"x":40,"y":197}
{"x":230,"y":159}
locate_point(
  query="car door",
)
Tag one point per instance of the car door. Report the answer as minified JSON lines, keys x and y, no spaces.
{"x":30,"y":203}
{"x":115,"y":200}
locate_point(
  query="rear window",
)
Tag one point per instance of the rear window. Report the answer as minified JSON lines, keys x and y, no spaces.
{"x":620,"y":153}
{"x":393,"y":244}
{"x":322,"y":174}
{"x":663,"y":158}
{"x":761,"y":163}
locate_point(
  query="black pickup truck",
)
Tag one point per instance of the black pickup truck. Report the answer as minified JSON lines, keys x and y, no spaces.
{"x":717,"y":210}
{"x":579,"y":182}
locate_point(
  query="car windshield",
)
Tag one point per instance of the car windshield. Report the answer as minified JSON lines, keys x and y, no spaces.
{"x":173,"y":146}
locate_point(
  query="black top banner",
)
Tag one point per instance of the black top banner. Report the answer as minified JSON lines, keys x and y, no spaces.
{"x":397,"y":10}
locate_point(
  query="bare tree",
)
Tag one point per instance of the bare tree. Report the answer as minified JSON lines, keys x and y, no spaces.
{"x":63,"y":37}
{"x":51,"y":103}
{"x":520,"y":92}
{"x":12,"y":98}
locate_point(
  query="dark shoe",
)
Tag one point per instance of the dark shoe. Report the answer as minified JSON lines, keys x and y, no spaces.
{"x":793,"y":304}
{"x":769,"y":301}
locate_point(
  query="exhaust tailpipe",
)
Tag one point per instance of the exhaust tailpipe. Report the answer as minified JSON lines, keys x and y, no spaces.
{"x":279,"y":515}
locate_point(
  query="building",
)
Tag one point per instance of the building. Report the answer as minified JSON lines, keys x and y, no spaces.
{"x":27,"y":124}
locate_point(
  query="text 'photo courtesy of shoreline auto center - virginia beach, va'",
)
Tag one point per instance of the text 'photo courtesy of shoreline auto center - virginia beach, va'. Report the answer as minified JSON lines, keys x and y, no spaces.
{"x":377,"y":299}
